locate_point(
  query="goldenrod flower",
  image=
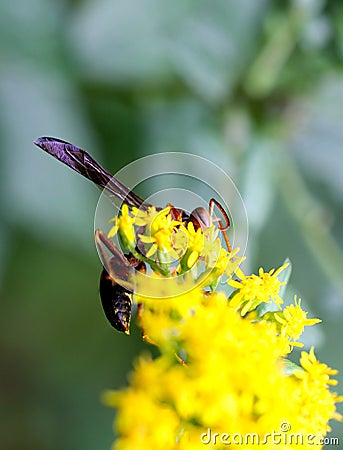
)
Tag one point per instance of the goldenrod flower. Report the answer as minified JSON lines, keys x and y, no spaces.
{"x":293,"y":320}
{"x":159,"y":232}
{"x":144,"y":217}
{"x":212,"y":246}
{"x":314,"y":396}
{"x":124,"y":225}
{"x":195,"y":243}
{"x":226,"y":262}
{"x":233,"y":380}
{"x":253,"y":289}
{"x":315,"y":369}
{"x":221,"y":369}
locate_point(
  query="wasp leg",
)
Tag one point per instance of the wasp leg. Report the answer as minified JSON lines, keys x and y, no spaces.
{"x":117,"y":266}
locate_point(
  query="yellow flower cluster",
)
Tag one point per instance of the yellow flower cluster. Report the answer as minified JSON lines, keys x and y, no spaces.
{"x":222,"y":378}
{"x":159,"y":231}
{"x":124,"y":224}
{"x":163,"y":239}
{"x":253,"y":289}
{"x":292,"y":322}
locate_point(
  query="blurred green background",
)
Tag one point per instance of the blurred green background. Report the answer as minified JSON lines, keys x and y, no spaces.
{"x":255,"y":86}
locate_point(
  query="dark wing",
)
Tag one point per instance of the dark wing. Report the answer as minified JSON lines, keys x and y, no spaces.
{"x":84,"y":164}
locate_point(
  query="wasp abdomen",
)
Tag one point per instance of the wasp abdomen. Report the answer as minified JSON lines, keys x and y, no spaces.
{"x":116,"y":302}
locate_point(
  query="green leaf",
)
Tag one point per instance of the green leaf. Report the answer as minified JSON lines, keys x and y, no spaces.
{"x":290,"y":367}
{"x":285,"y":276}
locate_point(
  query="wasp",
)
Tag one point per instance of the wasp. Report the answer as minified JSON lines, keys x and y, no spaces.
{"x":115,"y":286}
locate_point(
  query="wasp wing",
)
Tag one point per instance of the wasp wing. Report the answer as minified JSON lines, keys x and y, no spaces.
{"x":80,"y":161}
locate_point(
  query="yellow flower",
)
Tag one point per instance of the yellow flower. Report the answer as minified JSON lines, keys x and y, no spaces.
{"x":216,"y":367}
{"x":253,"y":289}
{"x":212,"y":246}
{"x":161,"y":319}
{"x":144,"y":217}
{"x":159,"y":232}
{"x":195,"y":243}
{"x":145,"y":435}
{"x":293,"y":320}
{"x":313,"y":394}
{"x":315,"y":369}
{"x":229,"y":361}
{"x":227,"y":262}
{"x":124,"y":225}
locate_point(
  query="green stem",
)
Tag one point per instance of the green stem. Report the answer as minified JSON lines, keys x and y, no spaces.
{"x":155,"y":267}
{"x":280,"y":43}
{"x":311,"y":221}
